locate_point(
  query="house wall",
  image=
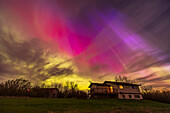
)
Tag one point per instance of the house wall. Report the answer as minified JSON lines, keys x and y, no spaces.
{"x":130,"y":96}
{"x":126,"y":88}
{"x":129,"y":89}
{"x":115,"y":86}
{"x":100,"y":89}
{"x":103,"y":89}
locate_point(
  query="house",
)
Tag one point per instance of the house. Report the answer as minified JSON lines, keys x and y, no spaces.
{"x":110,"y":89}
{"x":51,"y":92}
{"x":99,"y":90}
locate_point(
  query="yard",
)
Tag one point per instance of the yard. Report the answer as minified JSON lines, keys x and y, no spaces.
{"x":44,"y":105}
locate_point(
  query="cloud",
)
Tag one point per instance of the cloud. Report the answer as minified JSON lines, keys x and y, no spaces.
{"x":145,"y":77}
{"x":29,"y":58}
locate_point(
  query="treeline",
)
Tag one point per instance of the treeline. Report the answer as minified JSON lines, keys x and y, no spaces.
{"x":22,"y":87}
{"x":157,"y":95}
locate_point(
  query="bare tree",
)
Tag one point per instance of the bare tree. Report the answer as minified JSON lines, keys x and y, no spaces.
{"x":15,"y":87}
{"x":124,"y":79}
{"x":146,"y":88}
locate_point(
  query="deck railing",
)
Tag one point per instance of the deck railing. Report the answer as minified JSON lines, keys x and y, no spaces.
{"x":103,"y":91}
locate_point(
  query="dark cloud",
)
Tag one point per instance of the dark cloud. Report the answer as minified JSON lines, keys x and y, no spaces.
{"x":28,"y":58}
{"x":142,"y":61}
{"x":151,"y":20}
{"x":158,"y":79}
{"x":160,"y":84}
{"x":144,"y":78}
{"x":155,"y":80}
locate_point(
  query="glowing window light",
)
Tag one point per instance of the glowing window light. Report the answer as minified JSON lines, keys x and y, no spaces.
{"x":120,"y":87}
{"x":111,"y":89}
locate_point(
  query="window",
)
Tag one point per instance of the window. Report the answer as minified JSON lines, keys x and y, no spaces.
{"x":130,"y":96}
{"x":120,"y":87}
{"x":127,"y":86}
{"x":133,"y":87}
{"x":123,"y":96}
{"x":137,"y":96}
{"x":111,"y":89}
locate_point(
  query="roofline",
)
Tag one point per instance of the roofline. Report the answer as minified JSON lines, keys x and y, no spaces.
{"x":102,"y":84}
{"x":122,"y":83}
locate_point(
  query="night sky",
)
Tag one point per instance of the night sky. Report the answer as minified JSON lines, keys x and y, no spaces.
{"x":97,"y":39}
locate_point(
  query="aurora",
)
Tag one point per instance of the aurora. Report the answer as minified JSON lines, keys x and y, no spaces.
{"x":98,"y":40}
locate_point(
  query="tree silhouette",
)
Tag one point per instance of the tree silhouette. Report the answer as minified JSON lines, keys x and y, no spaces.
{"x":15,"y":87}
{"x":124,"y":79}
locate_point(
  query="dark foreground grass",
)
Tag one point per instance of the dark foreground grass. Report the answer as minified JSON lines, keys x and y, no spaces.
{"x":43,"y":105}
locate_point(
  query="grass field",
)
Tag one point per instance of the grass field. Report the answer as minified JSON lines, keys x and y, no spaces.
{"x":43,"y":105}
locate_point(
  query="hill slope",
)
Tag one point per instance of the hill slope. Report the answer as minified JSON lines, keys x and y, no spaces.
{"x":43,"y":105}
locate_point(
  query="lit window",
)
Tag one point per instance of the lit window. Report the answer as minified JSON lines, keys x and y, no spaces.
{"x":120,"y":87}
{"x":133,"y":87}
{"x":111,"y":89}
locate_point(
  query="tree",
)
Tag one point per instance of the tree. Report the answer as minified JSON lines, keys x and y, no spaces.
{"x":124,"y":79}
{"x":17,"y":87}
{"x":70,"y":89}
{"x":146,"y":88}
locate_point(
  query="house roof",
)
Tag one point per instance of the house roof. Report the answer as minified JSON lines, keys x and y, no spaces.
{"x":121,"y":83}
{"x":98,"y":84}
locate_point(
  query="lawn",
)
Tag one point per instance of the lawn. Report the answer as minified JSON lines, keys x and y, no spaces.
{"x":44,"y":105}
